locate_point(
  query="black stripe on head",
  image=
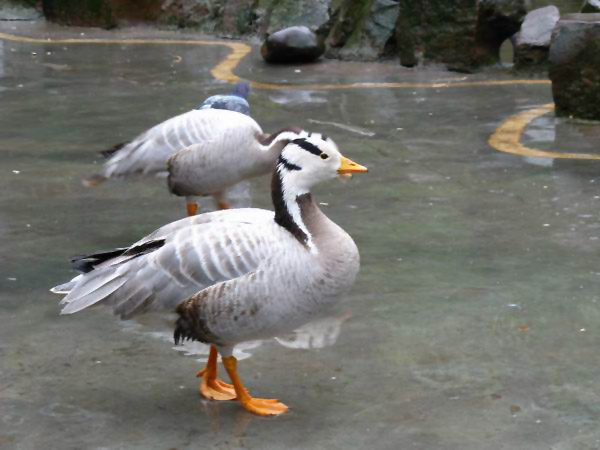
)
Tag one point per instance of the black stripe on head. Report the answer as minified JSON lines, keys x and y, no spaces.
{"x":304,"y":144}
{"x":324,"y":137}
{"x":288,"y":165}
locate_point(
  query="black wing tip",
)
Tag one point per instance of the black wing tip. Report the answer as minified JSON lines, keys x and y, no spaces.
{"x":87,"y":263}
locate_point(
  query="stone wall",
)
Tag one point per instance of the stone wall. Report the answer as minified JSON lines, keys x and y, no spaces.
{"x":101,"y":13}
{"x":462,"y":34}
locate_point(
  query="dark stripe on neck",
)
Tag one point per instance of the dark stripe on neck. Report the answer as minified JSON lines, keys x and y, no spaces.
{"x":304,"y":144}
{"x":288,"y":165}
{"x":282,"y":214}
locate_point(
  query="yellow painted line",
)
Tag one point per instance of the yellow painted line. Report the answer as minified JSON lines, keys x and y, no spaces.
{"x":225,"y":69}
{"x":317,"y":86}
{"x":507,"y":137}
{"x":222,"y":71}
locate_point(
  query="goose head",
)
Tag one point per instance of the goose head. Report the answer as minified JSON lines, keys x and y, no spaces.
{"x":312,"y":158}
{"x":241,"y":89}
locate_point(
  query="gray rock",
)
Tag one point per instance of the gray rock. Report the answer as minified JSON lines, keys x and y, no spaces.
{"x":575,"y":66}
{"x":537,"y":26}
{"x":292,"y":45}
{"x":533,"y":41}
{"x":591,"y":6}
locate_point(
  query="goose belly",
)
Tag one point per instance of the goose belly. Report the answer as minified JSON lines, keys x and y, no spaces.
{"x":278,"y":304}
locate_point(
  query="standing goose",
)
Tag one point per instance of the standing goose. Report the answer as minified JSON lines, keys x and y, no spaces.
{"x":233,"y":149}
{"x":149,"y":152}
{"x":234,"y":275}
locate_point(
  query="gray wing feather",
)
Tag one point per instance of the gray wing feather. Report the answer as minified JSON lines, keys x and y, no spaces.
{"x":193,"y":257}
{"x":148,"y":153}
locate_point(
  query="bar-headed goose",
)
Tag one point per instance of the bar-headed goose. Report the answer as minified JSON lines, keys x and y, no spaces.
{"x":235,"y":275}
{"x":149,"y":152}
{"x":233,"y":149}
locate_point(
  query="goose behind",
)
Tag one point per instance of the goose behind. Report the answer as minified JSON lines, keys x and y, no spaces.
{"x":148,"y":153}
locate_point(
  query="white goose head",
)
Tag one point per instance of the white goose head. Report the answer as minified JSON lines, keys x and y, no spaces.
{"x":308,"y":159}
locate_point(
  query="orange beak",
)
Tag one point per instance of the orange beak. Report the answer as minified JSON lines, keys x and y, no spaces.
{"x":348,"y":166}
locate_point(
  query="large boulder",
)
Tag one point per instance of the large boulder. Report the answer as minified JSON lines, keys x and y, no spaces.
{"x":462,"y":34}
{"x":591,"y":6}
{"x":533,"y":41}
{"x":292,"y":45}
{"x":361,"y":29}
{"x":575,"y":66}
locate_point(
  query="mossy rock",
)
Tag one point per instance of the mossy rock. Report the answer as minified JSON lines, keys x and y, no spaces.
{"x":575,"y":66}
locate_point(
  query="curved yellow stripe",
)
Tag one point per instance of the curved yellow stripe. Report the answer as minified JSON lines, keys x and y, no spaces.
{"x":15,"y":38}
{"x":316,"y":86}
{"x":222,"y":71}
{"x":507,"y":137}
{"x":225,"y":69}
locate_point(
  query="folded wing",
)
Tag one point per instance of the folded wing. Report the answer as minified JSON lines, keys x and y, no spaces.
{"x":170,"y":265}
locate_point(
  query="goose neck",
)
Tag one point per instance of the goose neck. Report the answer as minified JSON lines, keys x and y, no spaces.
{"x":289,"y":201}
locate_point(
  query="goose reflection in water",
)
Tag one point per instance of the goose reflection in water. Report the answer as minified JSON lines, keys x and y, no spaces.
{"x":320,"y":333}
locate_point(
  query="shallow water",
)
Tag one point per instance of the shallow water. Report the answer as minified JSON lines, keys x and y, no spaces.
{"x":475,"y":320}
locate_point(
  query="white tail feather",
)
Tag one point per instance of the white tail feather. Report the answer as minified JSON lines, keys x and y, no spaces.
{"x":78,"y":303}
{"x":92,"y":284}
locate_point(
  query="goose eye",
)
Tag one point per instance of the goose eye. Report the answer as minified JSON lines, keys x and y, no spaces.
{"x":324,"y":156}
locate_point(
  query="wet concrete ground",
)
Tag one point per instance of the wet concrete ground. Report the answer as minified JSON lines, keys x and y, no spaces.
{"x":475,"y":320}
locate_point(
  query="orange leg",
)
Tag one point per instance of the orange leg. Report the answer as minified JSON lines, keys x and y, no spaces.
{"x":260,"y":406}
{"x":211,"y":387}
{"x":222,"y":204}
{"x":221,"y":201}
{"x":192,"y":208}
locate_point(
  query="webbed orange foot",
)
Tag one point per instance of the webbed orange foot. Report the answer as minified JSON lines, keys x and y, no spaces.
{"x":215,"y":389}
{"x":259,"y":406}
{"x":264,"y":406}
{"x":211,"y":387}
